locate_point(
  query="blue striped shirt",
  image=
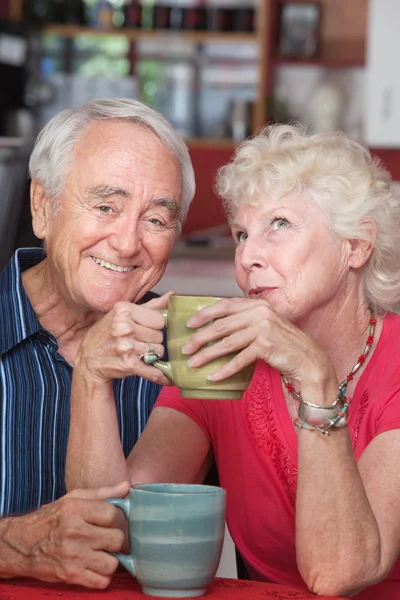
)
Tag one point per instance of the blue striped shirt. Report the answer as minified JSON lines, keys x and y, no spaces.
{"x":35,"y":386}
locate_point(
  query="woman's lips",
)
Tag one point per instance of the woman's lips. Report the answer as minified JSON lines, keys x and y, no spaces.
{"x":261,"y":292}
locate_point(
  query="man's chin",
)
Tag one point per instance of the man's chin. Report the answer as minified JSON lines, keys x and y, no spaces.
{"x":105,"y":304}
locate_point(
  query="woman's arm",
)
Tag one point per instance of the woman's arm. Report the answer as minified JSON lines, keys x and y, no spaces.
{"x":347,"y":515}
{"x":172,"y":448}
{"x":347,"y":519}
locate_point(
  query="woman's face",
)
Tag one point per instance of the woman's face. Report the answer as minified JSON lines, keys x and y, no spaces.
{"x":286,"y":253}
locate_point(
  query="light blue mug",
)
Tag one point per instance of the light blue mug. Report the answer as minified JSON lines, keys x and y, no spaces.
{"x":176,"y":533}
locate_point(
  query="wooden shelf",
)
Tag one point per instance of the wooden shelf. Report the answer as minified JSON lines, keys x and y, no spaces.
{"x":329,"y":63}
{"x":69,"y":31}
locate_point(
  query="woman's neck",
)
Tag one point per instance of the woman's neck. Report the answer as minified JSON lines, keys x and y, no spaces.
{"x":342,"y":333}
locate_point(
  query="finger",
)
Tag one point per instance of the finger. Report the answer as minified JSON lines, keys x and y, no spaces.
{"x":102,"y":493}
{"x":161,"y":302}
{"x":151,"y":373}
{"x":133,"y":348}
{"x":105,"y":538}
{"x":222,"y":308}
{"x":138,"y":331}
{"x":229,"y":344}
{"x":90,"y":579}
{"x":245,"y":358}
{"x":139,"y":314}
{"x":221,"y":328}
{"x":101,"y":562}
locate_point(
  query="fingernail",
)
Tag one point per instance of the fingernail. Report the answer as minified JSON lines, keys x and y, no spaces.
{"x":190,"y":322}
{"x":186,"y":349}
{"x":210,"y":377}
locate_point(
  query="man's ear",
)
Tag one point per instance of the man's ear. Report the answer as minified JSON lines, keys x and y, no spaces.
{"x":40,"y":209}
{"x":361,"y":249}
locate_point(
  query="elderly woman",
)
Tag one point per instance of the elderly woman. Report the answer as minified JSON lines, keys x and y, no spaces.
{"x":309,"y":457}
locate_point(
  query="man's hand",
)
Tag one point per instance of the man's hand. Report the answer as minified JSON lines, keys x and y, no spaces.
{"x":112,"y":347}
{"x":65,"y":541}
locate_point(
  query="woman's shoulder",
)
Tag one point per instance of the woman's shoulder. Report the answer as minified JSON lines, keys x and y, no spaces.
{"x":389,"y":341}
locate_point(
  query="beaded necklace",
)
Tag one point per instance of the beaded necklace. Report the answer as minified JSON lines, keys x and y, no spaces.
{"x":341,"y":403}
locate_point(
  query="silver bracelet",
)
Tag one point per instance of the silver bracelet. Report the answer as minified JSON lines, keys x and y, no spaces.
{"x":335,"y":415}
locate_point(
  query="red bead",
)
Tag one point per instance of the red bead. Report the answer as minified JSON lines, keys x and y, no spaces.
{"x":372,"y":321}
{"x":361,"y":358}
{"x":349,"y":377}
{"x":289,"y":387}
{"x":370,"y":339}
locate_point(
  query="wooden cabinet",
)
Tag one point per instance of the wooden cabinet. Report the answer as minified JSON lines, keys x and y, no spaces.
{"x":199,"y":39}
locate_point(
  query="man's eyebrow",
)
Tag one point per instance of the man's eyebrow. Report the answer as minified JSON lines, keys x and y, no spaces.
{"x":104,"y":191}
{"x":100,"y":192}
{"x":169,"y":203}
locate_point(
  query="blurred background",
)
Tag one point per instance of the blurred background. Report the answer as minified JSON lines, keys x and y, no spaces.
{"x":217,"y":69}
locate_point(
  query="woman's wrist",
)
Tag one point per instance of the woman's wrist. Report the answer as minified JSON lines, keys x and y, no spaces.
{"x":320,"y":388}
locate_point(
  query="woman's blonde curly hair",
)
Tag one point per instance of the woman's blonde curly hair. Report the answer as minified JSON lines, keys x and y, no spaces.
{"x":341,"y":176}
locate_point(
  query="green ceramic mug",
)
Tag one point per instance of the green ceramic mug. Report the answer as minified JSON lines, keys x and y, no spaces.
{"x":192,"y":381}
{"x":176,"y":533}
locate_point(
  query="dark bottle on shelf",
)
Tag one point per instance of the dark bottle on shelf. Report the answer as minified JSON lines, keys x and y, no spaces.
{"x":195,"y":18}
{"x":244,"y":19}
{"x":39,"y":11}
{"x":69,"y":12}
{"x":219,"y":19}
{"x":162,"y":16}
{"x":133,"y":14}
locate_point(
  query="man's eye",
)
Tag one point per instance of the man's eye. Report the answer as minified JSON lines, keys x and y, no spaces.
{"x":279,"y":223}
{"x":240,"y":236}
{"x":104,"y":209}
{"x":157,"y":222}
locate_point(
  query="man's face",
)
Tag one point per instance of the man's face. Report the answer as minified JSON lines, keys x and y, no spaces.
{"x":116,"y":225}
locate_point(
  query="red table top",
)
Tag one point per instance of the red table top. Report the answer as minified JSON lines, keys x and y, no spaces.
{"x":124,"y":587}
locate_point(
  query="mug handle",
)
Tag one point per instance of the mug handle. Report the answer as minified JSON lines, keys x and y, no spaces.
{"x":163,"y":365}
{"x":124,"y":559}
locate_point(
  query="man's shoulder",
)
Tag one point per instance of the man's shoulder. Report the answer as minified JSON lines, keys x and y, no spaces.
{"x":147,"y":297}
{"x":17,"y":318}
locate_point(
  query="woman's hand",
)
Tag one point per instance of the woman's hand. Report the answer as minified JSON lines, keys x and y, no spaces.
{"x":111,"y":349}
{"x":252,"y":328}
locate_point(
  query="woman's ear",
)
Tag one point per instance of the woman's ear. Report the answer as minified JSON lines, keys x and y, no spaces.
{"x":361,"y":249}
{"x":40,"y":209}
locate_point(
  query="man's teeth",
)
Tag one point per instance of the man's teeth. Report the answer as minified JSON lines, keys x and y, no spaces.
{"x":107,"y":265}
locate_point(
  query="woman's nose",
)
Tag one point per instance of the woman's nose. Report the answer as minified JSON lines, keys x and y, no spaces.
{"x":253,"y":255}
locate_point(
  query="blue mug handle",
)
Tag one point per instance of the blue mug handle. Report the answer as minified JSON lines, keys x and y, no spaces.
{"x":124,"y":559}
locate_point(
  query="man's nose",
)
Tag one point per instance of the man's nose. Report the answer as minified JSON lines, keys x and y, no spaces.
{"x":126,"y":239}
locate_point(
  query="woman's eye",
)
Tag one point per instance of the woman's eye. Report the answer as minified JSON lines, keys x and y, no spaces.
{"x":105,"y":209}
{"x":279,"y":223}
{"x":240,"y":236}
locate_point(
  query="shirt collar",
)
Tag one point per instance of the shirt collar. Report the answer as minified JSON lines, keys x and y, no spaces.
{"x":18,"y":320}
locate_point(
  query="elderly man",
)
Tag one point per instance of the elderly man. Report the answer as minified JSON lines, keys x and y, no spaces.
{"x":111,"y":184}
